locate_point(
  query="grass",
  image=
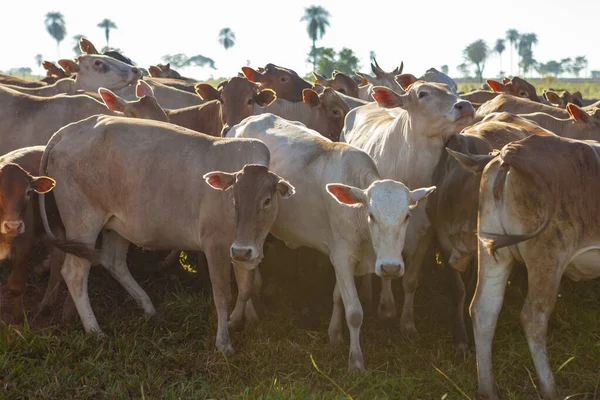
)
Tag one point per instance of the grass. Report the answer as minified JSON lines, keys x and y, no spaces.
{"x":589,"y":88}
{"x":173,"y":357}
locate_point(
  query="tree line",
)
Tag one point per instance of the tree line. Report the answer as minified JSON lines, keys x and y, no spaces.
{"x":477,"y":53}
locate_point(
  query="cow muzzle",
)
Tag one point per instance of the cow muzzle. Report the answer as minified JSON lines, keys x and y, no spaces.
{"x":12,"y":228}
{"x":243,"y":254}
{"x":389,"y":269}
{"x":463,"y":110}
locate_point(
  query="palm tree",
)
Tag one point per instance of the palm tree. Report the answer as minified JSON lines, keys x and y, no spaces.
{"x":526,"y":43}
{"x":38,"y":59}
{"x":476,"y":53}
{"x":227,"y":38}
{"x":317,"y":18}
{"x":107,"y":25}
{"x":76,"y":48}
{"x":499,"y":48}
{"x":512,"y":35}
{"x":55,"y":25}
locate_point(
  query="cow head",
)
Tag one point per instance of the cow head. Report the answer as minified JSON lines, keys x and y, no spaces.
{"x":387,"y":205}
{"x":340,"y":82}
{"x":16,"y":185}
{"x":146,"y":107}
{"x":95,"y":71}
{"x":429,"y":104}
{"x":561,"y":100}
{"x":516,"y":86}
{"x":256,"y":193}
{"x":331,"y":110}
{"x":238,"y":97}
{"x":285,"y":82}
{"x":586,"y":125}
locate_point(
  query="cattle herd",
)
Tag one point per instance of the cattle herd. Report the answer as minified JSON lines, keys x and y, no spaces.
{"x":368,"y":171}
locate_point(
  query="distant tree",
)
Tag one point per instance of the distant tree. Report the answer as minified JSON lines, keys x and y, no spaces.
{"x":578,"y":64}
{"x":526,"y":42}
{"x":552,"y":67}
{"x":372,"y":55}
{"x":201,"y":61}
{"x":20,"y":71}
{"x":326,"y":60}
{"x":317,"y":19}
{"x":512,"y":35}
{"x":499,"y":48}
{"x":227,"y":38}
{"x":181,"y":60}
{"x":476,"y":53}
{"x":107,"y":25}
{"x":38,"y":59}
{"x":347,"y":61}
{"x":444,"y":69}
{"x":56,"y":27}
{"x":464,"y":70}
{"x":76,"y":48}
{"x":595,"y":74}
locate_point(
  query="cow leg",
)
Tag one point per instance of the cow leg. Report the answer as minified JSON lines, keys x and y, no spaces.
{"x":409,"y":283}
{"x":57,"y":258}
{"x":366,"y":292}
{"x":344,"y":273}
{"x":169,"y":260}
{"x":387,"y":304}
{"x":457,"y":310}
{"x":75,"y":272}
{"x":539,"y":303}
{"x":20,"y":249}
{"x":114,"y":259}
{"x":219,"y":268}
{"x":245,"y":281}
{"x":335,"y":324}
{"x":485,"y":308}
{"x":250,"y":312}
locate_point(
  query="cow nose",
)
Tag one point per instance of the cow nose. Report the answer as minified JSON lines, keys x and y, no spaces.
{"x":241,"y":253}
{"x":13,"y":227}
{"x":392,"y":269}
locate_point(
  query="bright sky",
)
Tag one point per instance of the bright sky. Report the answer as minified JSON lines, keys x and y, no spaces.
{"x":424,"y":34}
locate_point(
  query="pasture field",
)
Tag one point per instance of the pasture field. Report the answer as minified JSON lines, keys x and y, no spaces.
{"x":589,"y":88}
{"x":173,"y":357}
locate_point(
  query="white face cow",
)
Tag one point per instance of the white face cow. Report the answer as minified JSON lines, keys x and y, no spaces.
{"x":387,"y":204}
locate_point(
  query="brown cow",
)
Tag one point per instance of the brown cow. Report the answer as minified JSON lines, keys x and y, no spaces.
{"x":19,"y":219}
{"x":285,"y":82}
{"x":15,"y":81}
{"x":541,"y":211}
{"x":339,"y":82}
{"x":563,"y":98}
{"x":580,"y":124}
{"x":516,"y":105}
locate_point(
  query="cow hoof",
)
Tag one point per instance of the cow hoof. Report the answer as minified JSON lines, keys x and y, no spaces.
{"x":486,"y":396}
{"x":409,"y":330}
{"x":336,"y":338}
{"x":463,"y":349}
{"x":386,"y":314}
{"x":226,"y":349}
{"x":356,"y":366}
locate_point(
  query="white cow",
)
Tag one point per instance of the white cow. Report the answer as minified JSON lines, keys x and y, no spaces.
{"x":406,"y":134}
{"x":342,"y":208}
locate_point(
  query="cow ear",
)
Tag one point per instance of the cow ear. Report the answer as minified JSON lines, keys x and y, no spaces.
{"x":405,"y":80}
{"x":143,"y":89}
{"x":419,"y":194}
{"x":87,"y":47}
{"x":495,"y":85}
{"x":552,"y":97}
{"x":251,"y":74}
{"x":505,"y":80}
{"x":387,"y":98}
{"x":311,"y":97}
{"x":154,"y":71}
{"x":219,"y":180}
{"x":320,"y":79}
{"x":577,"y":113}
{"x":285,"y":189}
{"x":347,"y":195}
{"x":112,"y":101}
{"x":42,"y":184}
{"x":69,"y":66}
{"x":265,"y":97}
{"x":207,"y":92}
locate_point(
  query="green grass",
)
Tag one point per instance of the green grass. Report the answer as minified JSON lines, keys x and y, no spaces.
{"x":589,"y":88}
{"x":173,"y":357}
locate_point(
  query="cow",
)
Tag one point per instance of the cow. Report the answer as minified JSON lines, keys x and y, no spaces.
{"x":15,"y":81}
{"x":97,"y":161}
{"x":382,"y":78}
{"x":343,"y":83}
{"x":92,"y":72}
{"x":563,"y":98}
{"x":19,"y":218}
{"x":165,"y":71}
{"x":167,"y":96}
{"x":186,"y":86}
{"x":431,"y":75}
{"x":31,"y":120}
{"x":343,"y":208}
{"x":405,"y":135}
{"x":539,"y":211}
{"x":516,"y":105}
{"x":88,"y":48}
{"x":516,"y":86}
{"x":241,"y":98}
{"x":53,"y":72}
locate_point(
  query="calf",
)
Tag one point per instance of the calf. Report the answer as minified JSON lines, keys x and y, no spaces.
{"x":542,"y":212}
{"x":106,"y":193}
{"x":19,"y":221}
{"x":343,"y":209}
{"x":405,"y":135}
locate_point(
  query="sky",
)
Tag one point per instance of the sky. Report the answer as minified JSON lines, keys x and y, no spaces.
{"x":422,"y":34}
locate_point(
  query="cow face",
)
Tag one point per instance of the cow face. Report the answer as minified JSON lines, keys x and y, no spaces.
{"x":340,"y":82}
{"x":387,"y":205}
{"x":432,"y":105}
{"x":516,"y":87}
{"x":146,"y":107}
{"x":561,"y":100}
{"x":256,"y":193}
{"x":16,"y":185}
{"x":331,"y":110}
{"x":285,"y":82}
{"x":95,"y":71}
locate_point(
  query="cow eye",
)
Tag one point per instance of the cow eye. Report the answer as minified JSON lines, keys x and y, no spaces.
{"x":250,"y":102}
{"x":337,"y":113}
{"x":342,"y":90}
{"x":283,"y":79}
{"x":98,"y":63}
{"x":407,"y":217}
{"x":371,"y":216}
{"x":422,"y":94}
{"x":267,"y":202}
{"x":523,"y":94}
